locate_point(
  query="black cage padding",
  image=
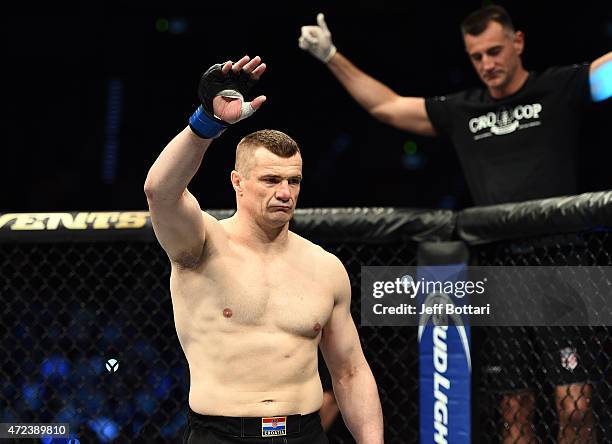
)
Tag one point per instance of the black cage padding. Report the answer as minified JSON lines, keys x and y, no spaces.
{"x":566,"y":214}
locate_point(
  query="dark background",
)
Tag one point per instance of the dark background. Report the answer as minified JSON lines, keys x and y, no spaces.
{"x":79,"y":84}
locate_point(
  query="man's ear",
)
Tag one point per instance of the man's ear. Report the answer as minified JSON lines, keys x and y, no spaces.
{"x":519,"y":42}
{"x":237,"y":182}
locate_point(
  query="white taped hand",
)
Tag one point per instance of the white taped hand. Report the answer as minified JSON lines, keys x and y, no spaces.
{"x":246,"y":109}
{"x":317,"y":40}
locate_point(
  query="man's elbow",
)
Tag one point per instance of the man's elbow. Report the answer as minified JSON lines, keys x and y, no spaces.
{"x":381,"y":114}
{"x":349,"y":374}
{"x":155,"y":193}
{"x":150,"y":188}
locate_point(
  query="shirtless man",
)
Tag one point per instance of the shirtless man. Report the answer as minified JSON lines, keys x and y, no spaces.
{"x":252,"y":300}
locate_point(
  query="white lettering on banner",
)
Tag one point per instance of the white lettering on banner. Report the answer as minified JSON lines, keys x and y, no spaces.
{"x":440,"y":351}
{"x":440,"y":358}
{"x":505,"y":120}
{"x":73,"y":221}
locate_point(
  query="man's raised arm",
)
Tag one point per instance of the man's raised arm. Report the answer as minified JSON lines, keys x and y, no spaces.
{"x":177,"y":219}
{"x":179,"y":224}
{"x":384,"y":104}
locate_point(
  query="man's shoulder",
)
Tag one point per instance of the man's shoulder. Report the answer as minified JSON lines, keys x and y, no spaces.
{"x":561,"y":70}
{"x":562,"y":76}
{"x":214,"y":227}
{"x":473,"y":94}
{"x":315,"y":251}
{"x":571,"y":81}
{"x":218,"y":232}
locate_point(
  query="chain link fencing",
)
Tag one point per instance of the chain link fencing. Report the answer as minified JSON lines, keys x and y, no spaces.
{"x":547,"y":384}
{"x":69,"y":304}
{"x":68,"y":307}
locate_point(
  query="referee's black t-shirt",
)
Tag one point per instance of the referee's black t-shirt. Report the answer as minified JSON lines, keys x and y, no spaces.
{"x":520,"y":147}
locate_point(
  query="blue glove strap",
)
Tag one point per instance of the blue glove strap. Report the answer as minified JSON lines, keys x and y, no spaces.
{"x":204,"y":126}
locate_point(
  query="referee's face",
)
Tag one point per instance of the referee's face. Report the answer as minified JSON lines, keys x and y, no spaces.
{"x":495,"y":54}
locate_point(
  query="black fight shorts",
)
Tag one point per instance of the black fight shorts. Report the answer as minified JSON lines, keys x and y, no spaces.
{"x":298,"y":429}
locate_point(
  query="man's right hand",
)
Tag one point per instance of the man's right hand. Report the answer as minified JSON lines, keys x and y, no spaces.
{"x":230,"y":107}
{"x":317,"y":40}
{"x":223,"y":92}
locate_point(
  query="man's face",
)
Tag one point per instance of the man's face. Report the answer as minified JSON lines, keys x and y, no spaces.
{"x":495,"y":54}
{"x":271,"y":190}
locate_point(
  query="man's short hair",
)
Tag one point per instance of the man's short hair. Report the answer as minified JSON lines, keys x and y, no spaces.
{"x":475,"y":23}
{"x":274,"y":141}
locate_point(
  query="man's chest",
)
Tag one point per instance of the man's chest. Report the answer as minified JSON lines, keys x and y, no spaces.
{"x":292,"y":295}
{"x":531,"y":115}
{"x":504,"y":122}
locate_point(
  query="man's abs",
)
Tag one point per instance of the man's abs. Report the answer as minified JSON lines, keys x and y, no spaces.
{"x":253,"y":372}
